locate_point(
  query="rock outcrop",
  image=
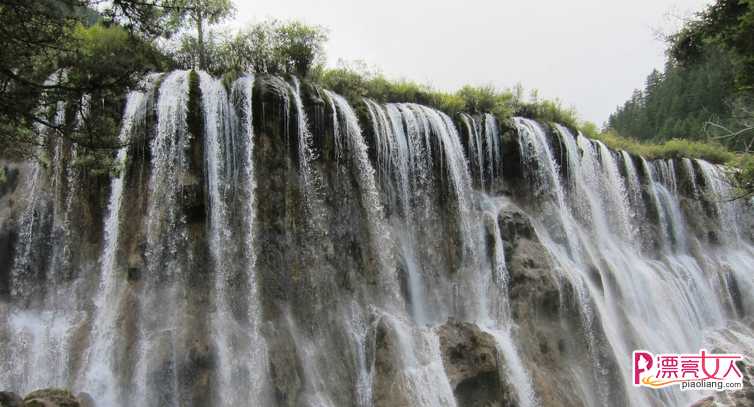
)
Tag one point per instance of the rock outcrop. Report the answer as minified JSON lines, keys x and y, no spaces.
{"x":51,"y":398}
{"x":473,"y":366}
{"x":8,"y":399}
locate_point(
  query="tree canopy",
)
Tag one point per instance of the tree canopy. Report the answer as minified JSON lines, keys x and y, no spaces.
{"x":706,"y":89}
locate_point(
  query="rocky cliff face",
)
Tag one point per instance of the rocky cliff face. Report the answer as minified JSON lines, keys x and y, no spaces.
{"x":268,"y":241}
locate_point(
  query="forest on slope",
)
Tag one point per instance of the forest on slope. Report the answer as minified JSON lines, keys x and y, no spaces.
{"x":705,"y":89}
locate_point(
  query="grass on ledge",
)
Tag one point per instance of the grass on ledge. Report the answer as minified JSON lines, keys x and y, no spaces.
{"x":675,"y":148}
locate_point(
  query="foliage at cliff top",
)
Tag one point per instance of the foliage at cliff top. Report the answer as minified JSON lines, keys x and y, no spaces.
{"x":674,"y":148}
{"x":357,"y":80}
{"x":713,"y":152}
{"x":99,"y":55}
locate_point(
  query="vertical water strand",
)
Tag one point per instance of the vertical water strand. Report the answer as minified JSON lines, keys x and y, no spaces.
{"x":306,"y":154}
{"x":584,"y":185}
{"x":474,"y":141}
{"x":26,"y":348}
{"x":690,"y":174}
{"x":155,"y":378}
{"x":676,"y":224}
{"x":633,"y":191}
{"x":47,"y":357}
{"x":538,"y":160}
{"x":618,"y":202}
{"x":100,"y":376}
{"x":655,"y":204}
{"x":219,"y":169}
{"x":498,"y":291}
{"x":512,"y":367}
{"x":60,"y":176}
{"x":353,"y":142}
{"x":473,"y":275}
{"x":594,"y":185}
{"x":587,"y":192}
{"x":432,"y":133}
{"x":256,"y":359}
{"x":633,"y":183}
{"x":494,"y":146}
{"x":669,"y":212}
{"x":22,"y":263}
{"x":458,"y":171}
{"x":719,"y":193}
{"x":396,"y":174}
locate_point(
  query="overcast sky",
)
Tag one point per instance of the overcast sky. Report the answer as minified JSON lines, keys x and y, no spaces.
{"x":589,"y":53}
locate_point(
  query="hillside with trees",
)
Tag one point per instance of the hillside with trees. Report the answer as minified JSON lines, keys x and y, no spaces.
{"x":705,"y":89}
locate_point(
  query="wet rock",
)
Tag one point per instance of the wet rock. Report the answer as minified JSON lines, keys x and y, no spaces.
{"x":745,"y":396}
{"x":8,"y":399}
{"x":408,"y":367}
{"x":51,"y":398}
{"x":467,"y":351}
{"x":8,"y":238}
{"x":8,"y":179}
{"x":284,"y":367}
{"x":533,"y":286}
{"x":386,"y":367}
{"x":192,"y":197}
{"x":707,"y":402}
{"x":544,"y":308}
{"x":86,"y":400}
{"x":514,"y":225}
{"x":471,"y":362}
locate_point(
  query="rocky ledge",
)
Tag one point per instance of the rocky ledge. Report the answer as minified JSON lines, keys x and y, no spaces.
{"x":45,"y":398}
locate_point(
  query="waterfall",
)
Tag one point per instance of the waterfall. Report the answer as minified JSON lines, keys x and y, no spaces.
{"x":101,"y":374}
{"x":37,"y":348}
{"x":272,"y":242}
{"x":483,"y":148}
{"x":256,"y":348}
{"x":613,"y":253}
{"x":166,"y":236}
{"x":721,"y":196}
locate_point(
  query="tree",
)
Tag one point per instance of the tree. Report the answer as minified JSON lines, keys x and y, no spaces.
{"x":268,"y":47}
{"x":705,"y":91}
{"x":95,"y":58}
{"x":201,"y":13}
{"x":300,"y":46}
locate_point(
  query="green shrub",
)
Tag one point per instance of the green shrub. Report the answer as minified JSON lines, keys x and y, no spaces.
{"x":675,"y":148}
{"x":356,"y":81}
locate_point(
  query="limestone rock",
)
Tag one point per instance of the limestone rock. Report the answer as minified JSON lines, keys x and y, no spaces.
{"x":467,"y":351}
{"x":284,"y":367}
{"x":8,"y":399}
{"x":51,"y":398}
{"x":472,"y":364}
{"x":86,"y":400}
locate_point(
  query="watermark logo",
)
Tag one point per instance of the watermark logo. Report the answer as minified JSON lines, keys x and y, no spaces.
{"x":702,"y":371}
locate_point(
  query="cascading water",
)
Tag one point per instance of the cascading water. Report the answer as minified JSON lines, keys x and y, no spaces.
{"x":271,"y":243}
{"x":484,"y":141}
{"x":100,"y":375}
{"x":641,"y":282}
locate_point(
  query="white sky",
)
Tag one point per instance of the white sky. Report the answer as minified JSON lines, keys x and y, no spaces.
{"x":589,"y":53}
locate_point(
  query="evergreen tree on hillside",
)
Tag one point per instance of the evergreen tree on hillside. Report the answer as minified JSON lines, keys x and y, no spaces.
{"x":705,"y":89}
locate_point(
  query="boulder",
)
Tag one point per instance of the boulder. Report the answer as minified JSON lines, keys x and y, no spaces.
{"x":473,"y":365}
{"x":86,"y":400}
{"x":8,"y":399}
{"x":51,"y":398}
{"x":467,"y":351}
